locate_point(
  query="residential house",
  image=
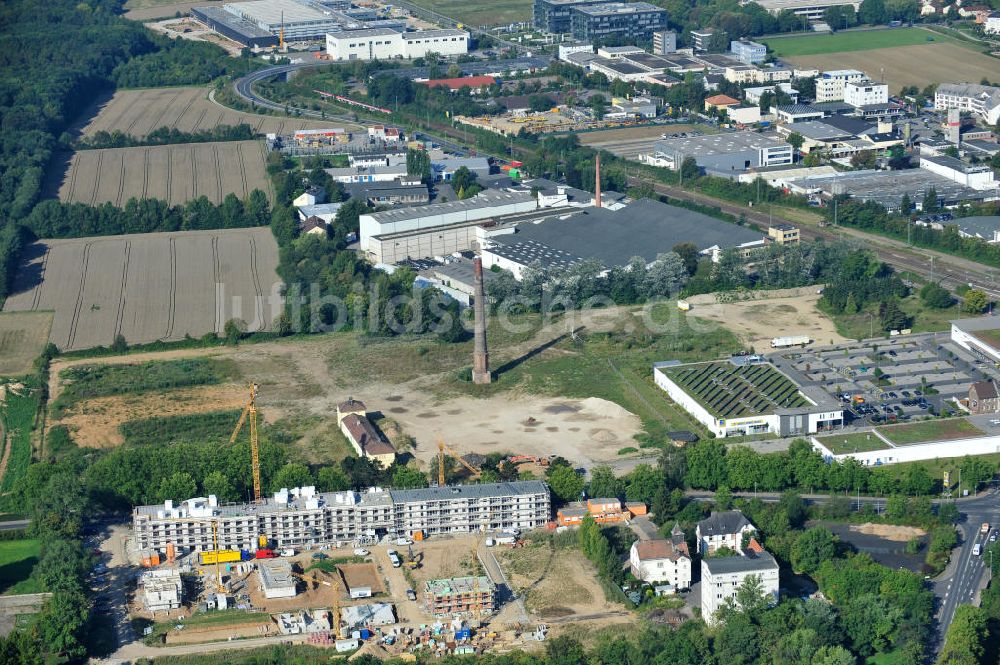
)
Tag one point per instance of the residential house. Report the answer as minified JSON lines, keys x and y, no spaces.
{"x":313,"y":226}
{"x":721,"y":102}
{"x":984,"y":397}
{"x":723,"y":529}
{"x":660,"y":560}
{"x":310,"y":197}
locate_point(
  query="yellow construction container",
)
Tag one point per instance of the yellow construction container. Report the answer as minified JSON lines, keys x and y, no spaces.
{"x":220,"y":556}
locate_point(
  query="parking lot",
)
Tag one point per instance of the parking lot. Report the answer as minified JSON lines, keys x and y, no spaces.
{"x":891,"y":380}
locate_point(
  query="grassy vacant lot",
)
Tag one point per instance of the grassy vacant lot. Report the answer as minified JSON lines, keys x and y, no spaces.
{"x":925,"y":319}
{"x":18,"y":412}
{"x":937,"y":467}
{"x":189,"y":428}
{"x":930,"y":430}
{"x":89,"y":381}
{"x":852,"y":443}
{"x":485,"y":13}
{"x":846,"y":41}
{"x":17,"y":559}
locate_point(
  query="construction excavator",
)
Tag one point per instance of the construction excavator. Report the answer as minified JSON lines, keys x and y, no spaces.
{"x":442,"y":449}
{"x":413,"y":560}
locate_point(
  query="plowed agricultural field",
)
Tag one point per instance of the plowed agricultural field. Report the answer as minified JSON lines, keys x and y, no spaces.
{"x":188,"y":109}
{"x":152,"y":286}
{"x":175,"y":173}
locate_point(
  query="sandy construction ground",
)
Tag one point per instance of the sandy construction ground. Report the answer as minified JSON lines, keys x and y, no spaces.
{"x":889,"y":531}
{"x":148,"y":287}
{"x":756,"y":322}
{"x":174,"y":173}
{"x":146,"y":11}
{"x":188,"y":109}
{"x":935,"y":62}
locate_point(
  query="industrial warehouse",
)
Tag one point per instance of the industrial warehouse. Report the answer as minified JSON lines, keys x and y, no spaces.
{"x":303,"y":517}
{"x":746,"y":395}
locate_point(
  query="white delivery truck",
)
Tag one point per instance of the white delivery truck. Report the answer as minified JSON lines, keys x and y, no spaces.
{"x":785,"y":342}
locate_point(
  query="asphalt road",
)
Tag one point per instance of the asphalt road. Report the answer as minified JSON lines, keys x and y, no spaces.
{"x":967,"y":573}
{"x":14,"y":525}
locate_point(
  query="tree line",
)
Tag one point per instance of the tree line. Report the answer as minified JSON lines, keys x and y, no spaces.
{"x":56,"y":219}
{"x":166,"y":136}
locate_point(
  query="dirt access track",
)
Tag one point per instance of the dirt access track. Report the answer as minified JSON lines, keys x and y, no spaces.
{"x":782,"y":313}
{"x":411,"y":382}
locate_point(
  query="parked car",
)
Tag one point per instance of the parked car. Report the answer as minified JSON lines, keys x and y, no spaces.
{"x":404,"y":540}
{"x":360,"y":551}
{"x":411,"y":594}
{"x":319,"y":556}
{"x":394,"y":559}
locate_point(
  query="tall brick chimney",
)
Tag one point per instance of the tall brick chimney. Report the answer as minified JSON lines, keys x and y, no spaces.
{"x":597,"y":181}
{"x":480,"y":356}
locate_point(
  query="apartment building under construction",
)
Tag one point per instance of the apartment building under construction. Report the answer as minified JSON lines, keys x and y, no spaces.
{"x":460,"y":596}
{"x":302,"y":517}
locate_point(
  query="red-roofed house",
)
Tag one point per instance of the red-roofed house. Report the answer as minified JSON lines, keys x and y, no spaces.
{"x":661,"y":560}
{"x":364,"y":438}
{"x":720,"y":102}
{"x":477,"y":83}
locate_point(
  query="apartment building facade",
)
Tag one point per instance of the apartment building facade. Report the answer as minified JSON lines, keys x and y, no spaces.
{"x":722,"y":577}
{"x":865,"y":93}
{"x":302,"y":517}
{"x":982,"y":101}
{"x":830,"y":85}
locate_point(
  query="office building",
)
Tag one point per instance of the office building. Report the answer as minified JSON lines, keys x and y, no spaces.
{"x":982,"y":101}
{"x":700,"y":39}
{"x":664,"y":42}
{"x":747,"y":51}
{"x":636,"y":20}
{"x":553,"y":16}
{"x":386,"y":44}
{"x":830,"y":85}
{"x":865,"y":93}
{"x":303,"y":517}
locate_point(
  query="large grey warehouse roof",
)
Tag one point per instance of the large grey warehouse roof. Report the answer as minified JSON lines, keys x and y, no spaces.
{"x":977,"y":324}
{"x":485,"y":199}
{"x":738,"y":564}
{"x":887,"y":187}
{"x":368,"y":32}
{"x":982,"y":225}
{"x":719,"y":144}
{"x":233,"y":22}
{"x":645,"y":228}
{"x":482,"y":491}
{"x":276,"y":11}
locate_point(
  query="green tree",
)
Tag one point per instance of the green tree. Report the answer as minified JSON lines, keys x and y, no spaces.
{"x":964,"y":644}
{"x":833,"y":655}
{"x":418,"y":163}
{"x":795,"y":140}
{"x":812,"y":548}
{"x":975,"y":471}
{"x":565,"y":482}
{"x":599,"y":105}
{"x":642,"y":483}
{"x":292,"y":475}
{"x":873,"y":12}
{"x":935,"y":296}
{"x":604,"y":483}
{"x":891,"y":316}
{"x":332,"y":479}
{"x":689,"y":254}
{"x":930,"y":202}
{"x":723,"y":499}
{"x":975,"y":301}
{"x":905,"y":205}
{"x":234,"y":330}
{"x":406,"y":478}
{"x":690,"y":169}
{"x":178,"y":486}
{"x":218,"y":484}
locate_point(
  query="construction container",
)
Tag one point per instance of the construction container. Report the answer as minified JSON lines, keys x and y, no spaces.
{"x":346,"y":645}
{"x":265,"y":554}
{"x":220,"y":556}
{"x":171,"y":552}
{"x":150,"y":559}
{"x":418,"y":535}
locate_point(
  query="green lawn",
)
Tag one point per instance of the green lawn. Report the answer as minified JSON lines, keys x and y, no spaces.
{"x":486,"y":13}
{"x":18,"y":414}
{"x":17,"y":559}
{"x":930,"y":430}
{"x":937,"y":467}
{"x":846,"y":41}
{"x":860,"y":442}
{"x":925,"y":319}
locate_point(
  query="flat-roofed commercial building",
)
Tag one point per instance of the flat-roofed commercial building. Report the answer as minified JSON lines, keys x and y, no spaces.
{"x":723,"y":154}
{"x":298,"y":21}
{"x":830,"y":85}
{"x":865,"y":93}
{"x":636,"y":20}
{"x":980,"y":336}
{"x":303,"y":517}
{"x":812,"y":10}
{"x":386,"y":44}
{"x":554,"y":15}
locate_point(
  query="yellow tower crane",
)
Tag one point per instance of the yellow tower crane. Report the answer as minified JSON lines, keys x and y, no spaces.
{"x":442,"y":449}
{"x":215,"y":545}
{"x":250,"y":413}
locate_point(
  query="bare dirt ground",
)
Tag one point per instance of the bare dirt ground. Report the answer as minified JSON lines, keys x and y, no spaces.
{"x":148,"y":11}
{"x":559,"y":584}
{"x":920,"y":65}
{"x":613,"y":136}
{"x":23,"y":335}
{"x":361,"y":575}
{"x":889,"y":531}
{"x":784,"y":313}
{"x":304,"y":380}
{"x":188,"y":109}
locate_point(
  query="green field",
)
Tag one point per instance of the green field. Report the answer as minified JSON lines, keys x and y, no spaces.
{"x":841,"y":42}
{"x":18,"y":413}
{"x":860,"y":442}
{"x":486,"y":13}
{"x":188,"y":428}
{"x":17,"y":559}
{"x":930,"y":430}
